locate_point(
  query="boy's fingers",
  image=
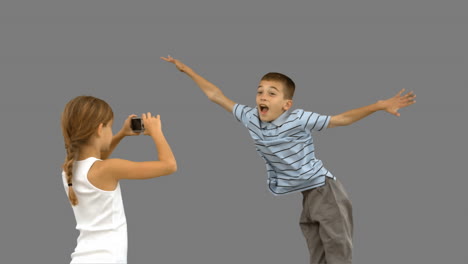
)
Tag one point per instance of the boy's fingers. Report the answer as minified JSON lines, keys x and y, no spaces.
{"x":411,"y":98}
{"x":400,"y":92}
{"x":169,"y":59}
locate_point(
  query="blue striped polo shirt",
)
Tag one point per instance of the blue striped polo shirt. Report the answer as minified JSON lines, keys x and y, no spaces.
{"x":287,"y":147}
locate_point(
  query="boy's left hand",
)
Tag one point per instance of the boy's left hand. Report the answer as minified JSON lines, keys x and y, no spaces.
{"x":126,"y":129}
{"x":392,"y":105}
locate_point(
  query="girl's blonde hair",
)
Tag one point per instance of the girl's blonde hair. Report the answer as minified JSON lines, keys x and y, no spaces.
{"x":80,"y":119}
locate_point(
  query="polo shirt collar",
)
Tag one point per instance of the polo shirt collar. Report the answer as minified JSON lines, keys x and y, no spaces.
{"x":278,"y":121}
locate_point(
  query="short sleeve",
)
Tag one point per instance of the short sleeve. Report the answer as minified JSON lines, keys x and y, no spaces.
{"x":243,"y":113}
{"x":313,"y":121}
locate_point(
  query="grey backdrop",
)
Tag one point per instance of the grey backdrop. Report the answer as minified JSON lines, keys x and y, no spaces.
{"x":406,"y":176}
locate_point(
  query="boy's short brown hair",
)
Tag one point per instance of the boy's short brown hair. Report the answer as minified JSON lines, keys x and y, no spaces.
{"x":288,"y":84}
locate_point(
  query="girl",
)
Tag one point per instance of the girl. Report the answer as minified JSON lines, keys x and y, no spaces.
{"x":91,"y":180}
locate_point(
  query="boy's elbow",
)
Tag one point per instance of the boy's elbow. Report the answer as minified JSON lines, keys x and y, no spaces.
{"x":339,"y":120}
{"x":210,"y":96}
{"x":346,"y":122}
{"x":214,"y":96}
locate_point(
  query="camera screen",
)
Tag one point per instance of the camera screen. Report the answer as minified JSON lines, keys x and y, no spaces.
{"x":136,"y":124}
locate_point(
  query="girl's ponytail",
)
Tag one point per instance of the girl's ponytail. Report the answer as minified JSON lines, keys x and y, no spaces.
{"x":80,"y":119}
{"x":68,"y":168}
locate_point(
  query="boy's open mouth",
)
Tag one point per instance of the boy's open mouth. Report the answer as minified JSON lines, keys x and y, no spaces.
{"x":263,"y":108}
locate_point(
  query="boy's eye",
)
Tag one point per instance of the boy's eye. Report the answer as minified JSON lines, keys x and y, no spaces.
{"x":272,"y":94}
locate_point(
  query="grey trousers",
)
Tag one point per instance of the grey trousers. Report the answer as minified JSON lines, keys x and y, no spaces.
{"x":327,"y":223}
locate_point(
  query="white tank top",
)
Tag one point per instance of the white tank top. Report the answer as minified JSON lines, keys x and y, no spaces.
{"x":100,"y":219}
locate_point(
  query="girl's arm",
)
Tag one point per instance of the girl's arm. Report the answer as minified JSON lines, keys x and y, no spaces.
{"x":115,"y":141}
{"x":165,"y":164}
{"x":124,"y":131}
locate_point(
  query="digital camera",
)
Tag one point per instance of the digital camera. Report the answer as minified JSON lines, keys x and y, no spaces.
{"x":137,"y":125}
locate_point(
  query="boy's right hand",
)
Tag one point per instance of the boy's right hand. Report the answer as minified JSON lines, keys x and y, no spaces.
{"x":152,"y":123}
{"x":179,"y":65}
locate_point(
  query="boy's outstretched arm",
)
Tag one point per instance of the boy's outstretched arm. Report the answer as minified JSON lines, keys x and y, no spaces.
{"x":391,"y":105}
{"x":211,"y":91}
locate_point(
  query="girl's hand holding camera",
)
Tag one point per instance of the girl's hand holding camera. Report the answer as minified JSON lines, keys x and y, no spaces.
{"x":126,"y":129}
{"x":152,"y":124}
{"x":147,"y":124}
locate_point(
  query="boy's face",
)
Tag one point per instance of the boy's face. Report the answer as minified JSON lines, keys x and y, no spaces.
{"x":270,"y":100}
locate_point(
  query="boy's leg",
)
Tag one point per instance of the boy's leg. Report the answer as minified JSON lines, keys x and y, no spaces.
{"x":336,"y":223}
{"x":310,"y":226}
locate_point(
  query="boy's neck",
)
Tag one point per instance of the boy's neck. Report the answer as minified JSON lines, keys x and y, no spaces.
{"x":281,"y":118}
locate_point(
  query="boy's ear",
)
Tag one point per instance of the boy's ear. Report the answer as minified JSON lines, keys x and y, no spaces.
{"x":288,"y":104}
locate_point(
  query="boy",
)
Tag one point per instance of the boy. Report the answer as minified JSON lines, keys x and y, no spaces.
{"x":283,"y":139}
